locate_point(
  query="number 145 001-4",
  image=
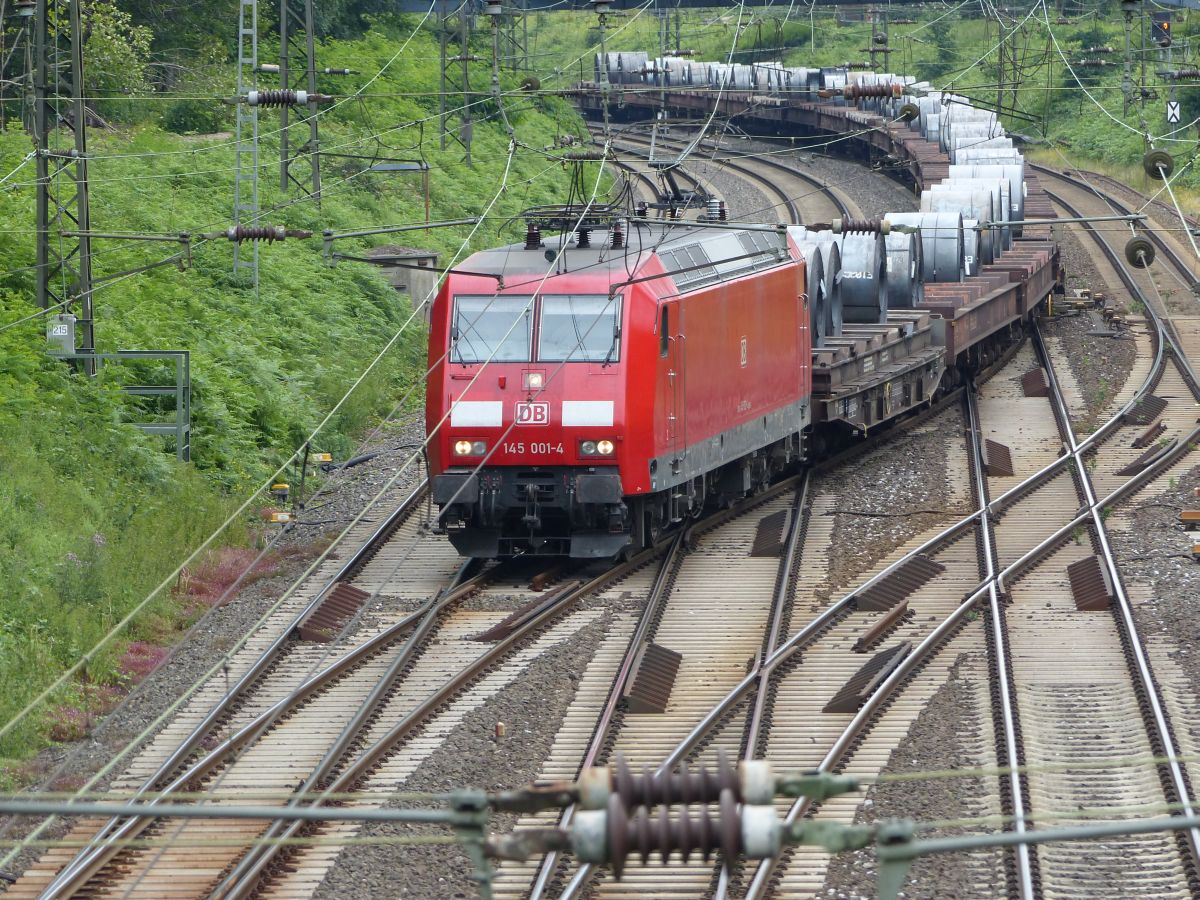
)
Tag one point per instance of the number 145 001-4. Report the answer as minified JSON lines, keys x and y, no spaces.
{"x":519,"y":447}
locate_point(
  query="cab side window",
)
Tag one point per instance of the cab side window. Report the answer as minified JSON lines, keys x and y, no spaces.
{"x":664,"y":332}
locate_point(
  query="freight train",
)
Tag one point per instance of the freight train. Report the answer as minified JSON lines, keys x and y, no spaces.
{"x":589,"y":389}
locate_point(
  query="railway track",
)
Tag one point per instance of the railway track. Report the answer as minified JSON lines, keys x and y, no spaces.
{"x":312,"y":716}
{"x":798,"y":198}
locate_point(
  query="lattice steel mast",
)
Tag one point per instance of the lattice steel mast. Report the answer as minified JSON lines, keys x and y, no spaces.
{"x":64,"y":257}
{"x":462,"y":15}
{"x":297,"y":41}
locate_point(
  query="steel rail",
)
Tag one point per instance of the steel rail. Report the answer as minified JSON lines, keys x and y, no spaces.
{"x":640,"y":635}
{"x":842,"y":205}
{"x":106,"y":845}
{"x":1161,"y":732}
{"x":780,"y":607}
{"x":1002,"y":676}
{"x":188,"y":746}
{"x":648,"y":620}
{"x":360,"y":720}
{"x":1100,"y":176}
{"x":250,"y":878}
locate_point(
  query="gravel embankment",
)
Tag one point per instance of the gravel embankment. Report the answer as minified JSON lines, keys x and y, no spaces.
{"x":946,"y":735}
{"x":1156,"y":550}
{"x":892,"y":494}
{"x":68,"y":766}
{"x":532,"y":707}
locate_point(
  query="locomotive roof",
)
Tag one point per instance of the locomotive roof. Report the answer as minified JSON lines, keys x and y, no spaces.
{"x":700,"y":256}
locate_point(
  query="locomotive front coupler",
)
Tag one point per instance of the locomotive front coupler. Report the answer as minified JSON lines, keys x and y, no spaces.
{"x":532,"y":518}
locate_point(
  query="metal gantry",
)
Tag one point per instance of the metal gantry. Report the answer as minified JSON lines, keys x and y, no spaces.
{"x":300,"y":165}
{"x":245,"y":178}
{"x":455,"y":22}
{"x":514,"y":25}
{"x":64,"y":249}
{"x":16,"y":59}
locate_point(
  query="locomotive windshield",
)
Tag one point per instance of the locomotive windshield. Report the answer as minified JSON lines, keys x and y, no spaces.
{"x":491,"y":329}
{"x":579,"y":328}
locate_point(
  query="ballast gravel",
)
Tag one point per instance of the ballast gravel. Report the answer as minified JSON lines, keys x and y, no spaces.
{"x":946,"y":735}
{"x":892,"y":494}
{"x":532,"y":708}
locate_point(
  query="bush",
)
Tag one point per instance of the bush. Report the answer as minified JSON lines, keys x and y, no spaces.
{"x":196,"y":117}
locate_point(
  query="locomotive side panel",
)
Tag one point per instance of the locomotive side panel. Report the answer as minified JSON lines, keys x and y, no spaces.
{"x":737,"y":376}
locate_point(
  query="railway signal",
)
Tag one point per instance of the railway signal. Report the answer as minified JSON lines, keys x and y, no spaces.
{"x":1160,"y":29}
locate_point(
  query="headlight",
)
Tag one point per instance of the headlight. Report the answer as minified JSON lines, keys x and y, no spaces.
{"x":470,"y":448}
{"x":596,"y":448}
{"x":534,"y":381}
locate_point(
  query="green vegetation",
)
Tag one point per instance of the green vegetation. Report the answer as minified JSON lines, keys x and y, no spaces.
{"x":92,"y":513}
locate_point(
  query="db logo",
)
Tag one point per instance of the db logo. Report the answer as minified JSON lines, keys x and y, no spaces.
{"x":533,"y":413}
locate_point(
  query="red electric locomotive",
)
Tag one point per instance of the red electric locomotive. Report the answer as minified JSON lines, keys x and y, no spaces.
{"x":579,"y":402}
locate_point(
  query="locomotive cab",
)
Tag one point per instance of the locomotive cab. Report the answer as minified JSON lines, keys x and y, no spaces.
{"x":531,"y":441}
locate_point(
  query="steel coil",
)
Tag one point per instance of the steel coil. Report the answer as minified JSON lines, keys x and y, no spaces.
{"x":902,"y":271}
{"x":973,"y":203}
{"x":1001,"y":203}
{"x":864,"y":298}
{"x":941,"y":243}
{"x":1013,"y":173}
{"x":823,"y":256}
